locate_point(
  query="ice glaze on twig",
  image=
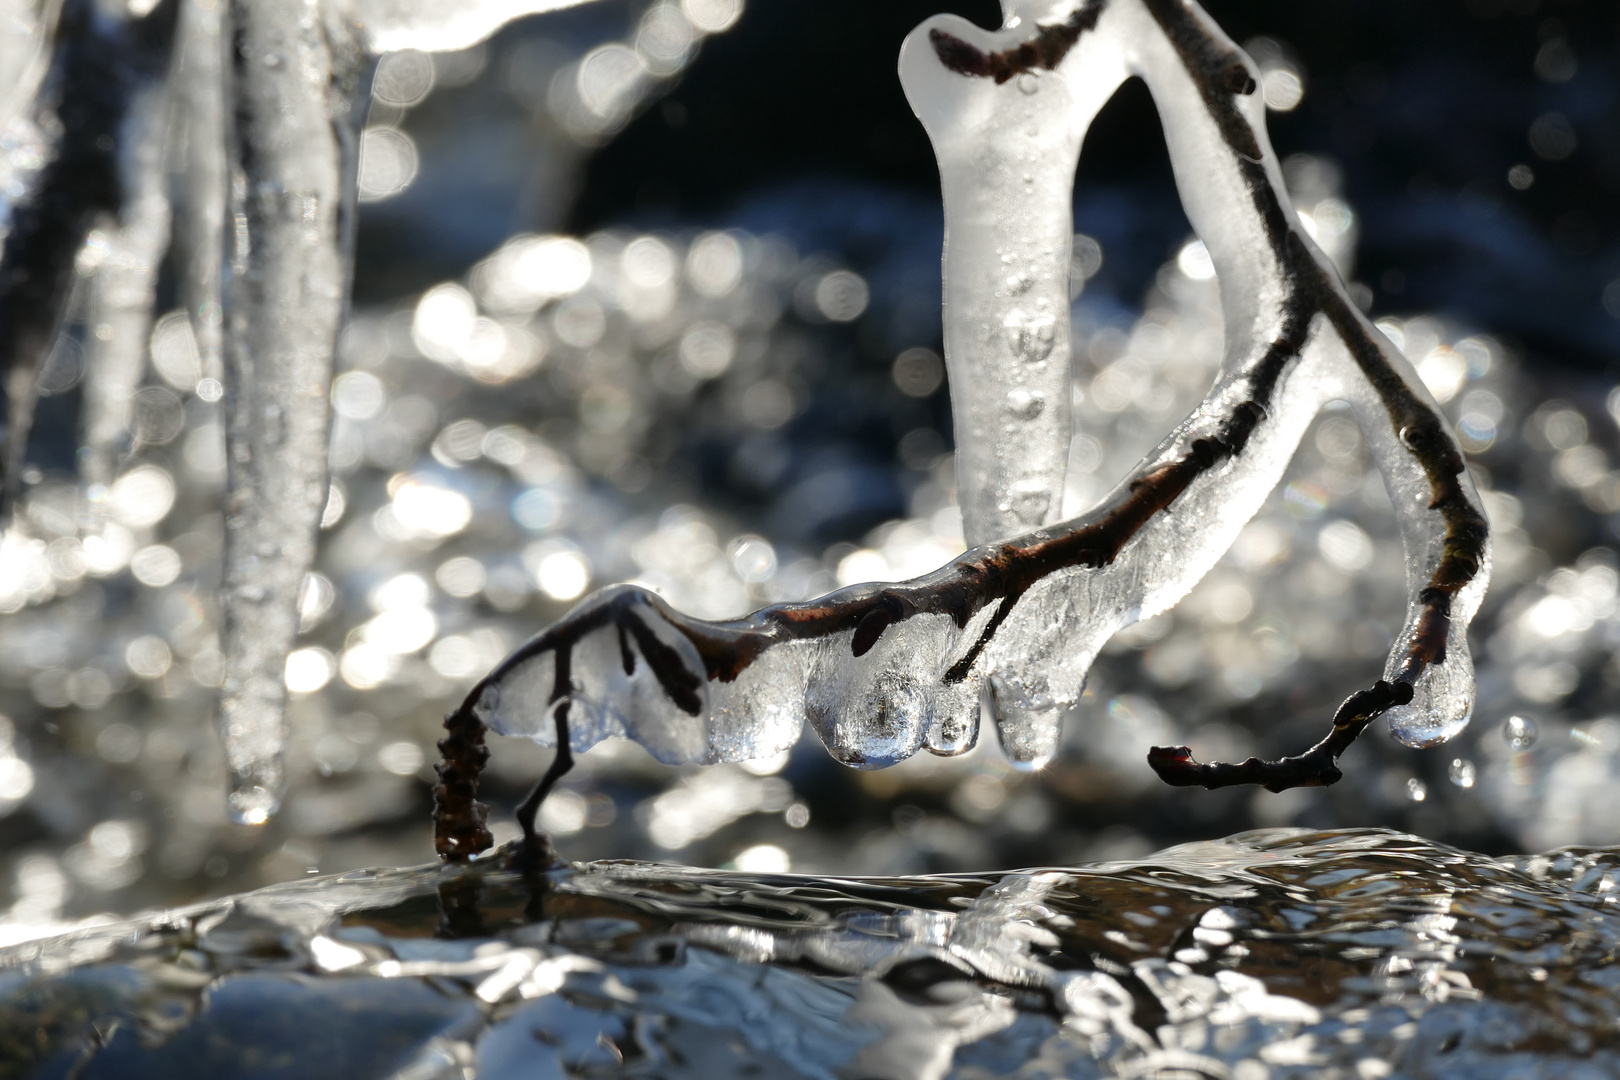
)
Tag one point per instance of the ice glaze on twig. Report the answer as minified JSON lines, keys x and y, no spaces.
{"x":1294,"y":339}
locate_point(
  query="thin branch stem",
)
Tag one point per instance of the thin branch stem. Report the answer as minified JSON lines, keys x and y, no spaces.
{"x":1045,"y":50}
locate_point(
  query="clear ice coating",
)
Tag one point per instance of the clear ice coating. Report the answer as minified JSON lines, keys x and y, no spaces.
{"x":1275,"y":953}
{"x":1007,"y":154}
{"x":880,"y":680}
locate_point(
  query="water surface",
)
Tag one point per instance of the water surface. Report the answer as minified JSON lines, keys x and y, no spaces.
{"x":1359,"y":953}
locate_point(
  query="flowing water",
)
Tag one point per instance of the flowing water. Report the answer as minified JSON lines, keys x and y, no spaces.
{"x":1357,"y":953}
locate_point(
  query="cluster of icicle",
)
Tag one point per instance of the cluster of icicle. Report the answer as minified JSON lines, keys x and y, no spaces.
{"x":229,"y":131}
{"x":1008,"y":630}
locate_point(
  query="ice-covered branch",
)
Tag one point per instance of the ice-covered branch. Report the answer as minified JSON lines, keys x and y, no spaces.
{"x":1011,"y":627}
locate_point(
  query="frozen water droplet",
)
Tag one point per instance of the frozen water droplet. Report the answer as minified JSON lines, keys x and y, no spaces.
{"x":251,"y":804}
{"x":953,"y":735}
{"x":1028,"y":83}
{"x":1461,"y":772}
{"x":1028,"y":725}
{"x":954,"y":727}
{"x":1520,"y":732}
{"x":1030,"y":337}
{"x":1416,"y":790}
{"x":1443,"y":698}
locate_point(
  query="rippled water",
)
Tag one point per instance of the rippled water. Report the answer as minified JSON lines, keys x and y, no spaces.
{"x":1267,"y":954}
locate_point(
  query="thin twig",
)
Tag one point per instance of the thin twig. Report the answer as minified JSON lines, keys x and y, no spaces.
{"x":1045,"y":50}
{"x":459,"y":831}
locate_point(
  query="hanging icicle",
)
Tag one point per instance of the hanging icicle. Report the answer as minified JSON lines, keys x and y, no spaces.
{"x":122,"y":292}
{"x":257,"y":130}
{"x":297,"y":79}
{"x":89,"y":111}
{"x":198,"y":87}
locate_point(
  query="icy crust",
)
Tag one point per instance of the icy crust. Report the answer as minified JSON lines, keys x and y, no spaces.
{"x":1276,"y":953}
{"x":870,"y":711}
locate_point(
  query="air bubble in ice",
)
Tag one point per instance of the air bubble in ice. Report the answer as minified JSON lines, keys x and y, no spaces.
{"x":1028,"y":502}
{"x":1026,"y":404}
{"x":1030,"y":337}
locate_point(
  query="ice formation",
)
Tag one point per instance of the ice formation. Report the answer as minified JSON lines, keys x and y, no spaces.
{"x":108,"y":115}
{"x":260,"y":163}
{"x":1008,"y":630}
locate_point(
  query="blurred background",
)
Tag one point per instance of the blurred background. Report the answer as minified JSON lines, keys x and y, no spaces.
{"x":650,"y":291}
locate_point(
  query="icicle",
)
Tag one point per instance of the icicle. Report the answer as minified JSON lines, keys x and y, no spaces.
{"x":26,"y":30}
{"x":122,"y":292}
{"x":1443,"y":691}
{"x":100,"y":64}
{"x":297,"y":91}
{"x":1007,"y":153}
{"x":881,"y":670}
{"x":300,"y":96}
{"x":198,"y":86}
